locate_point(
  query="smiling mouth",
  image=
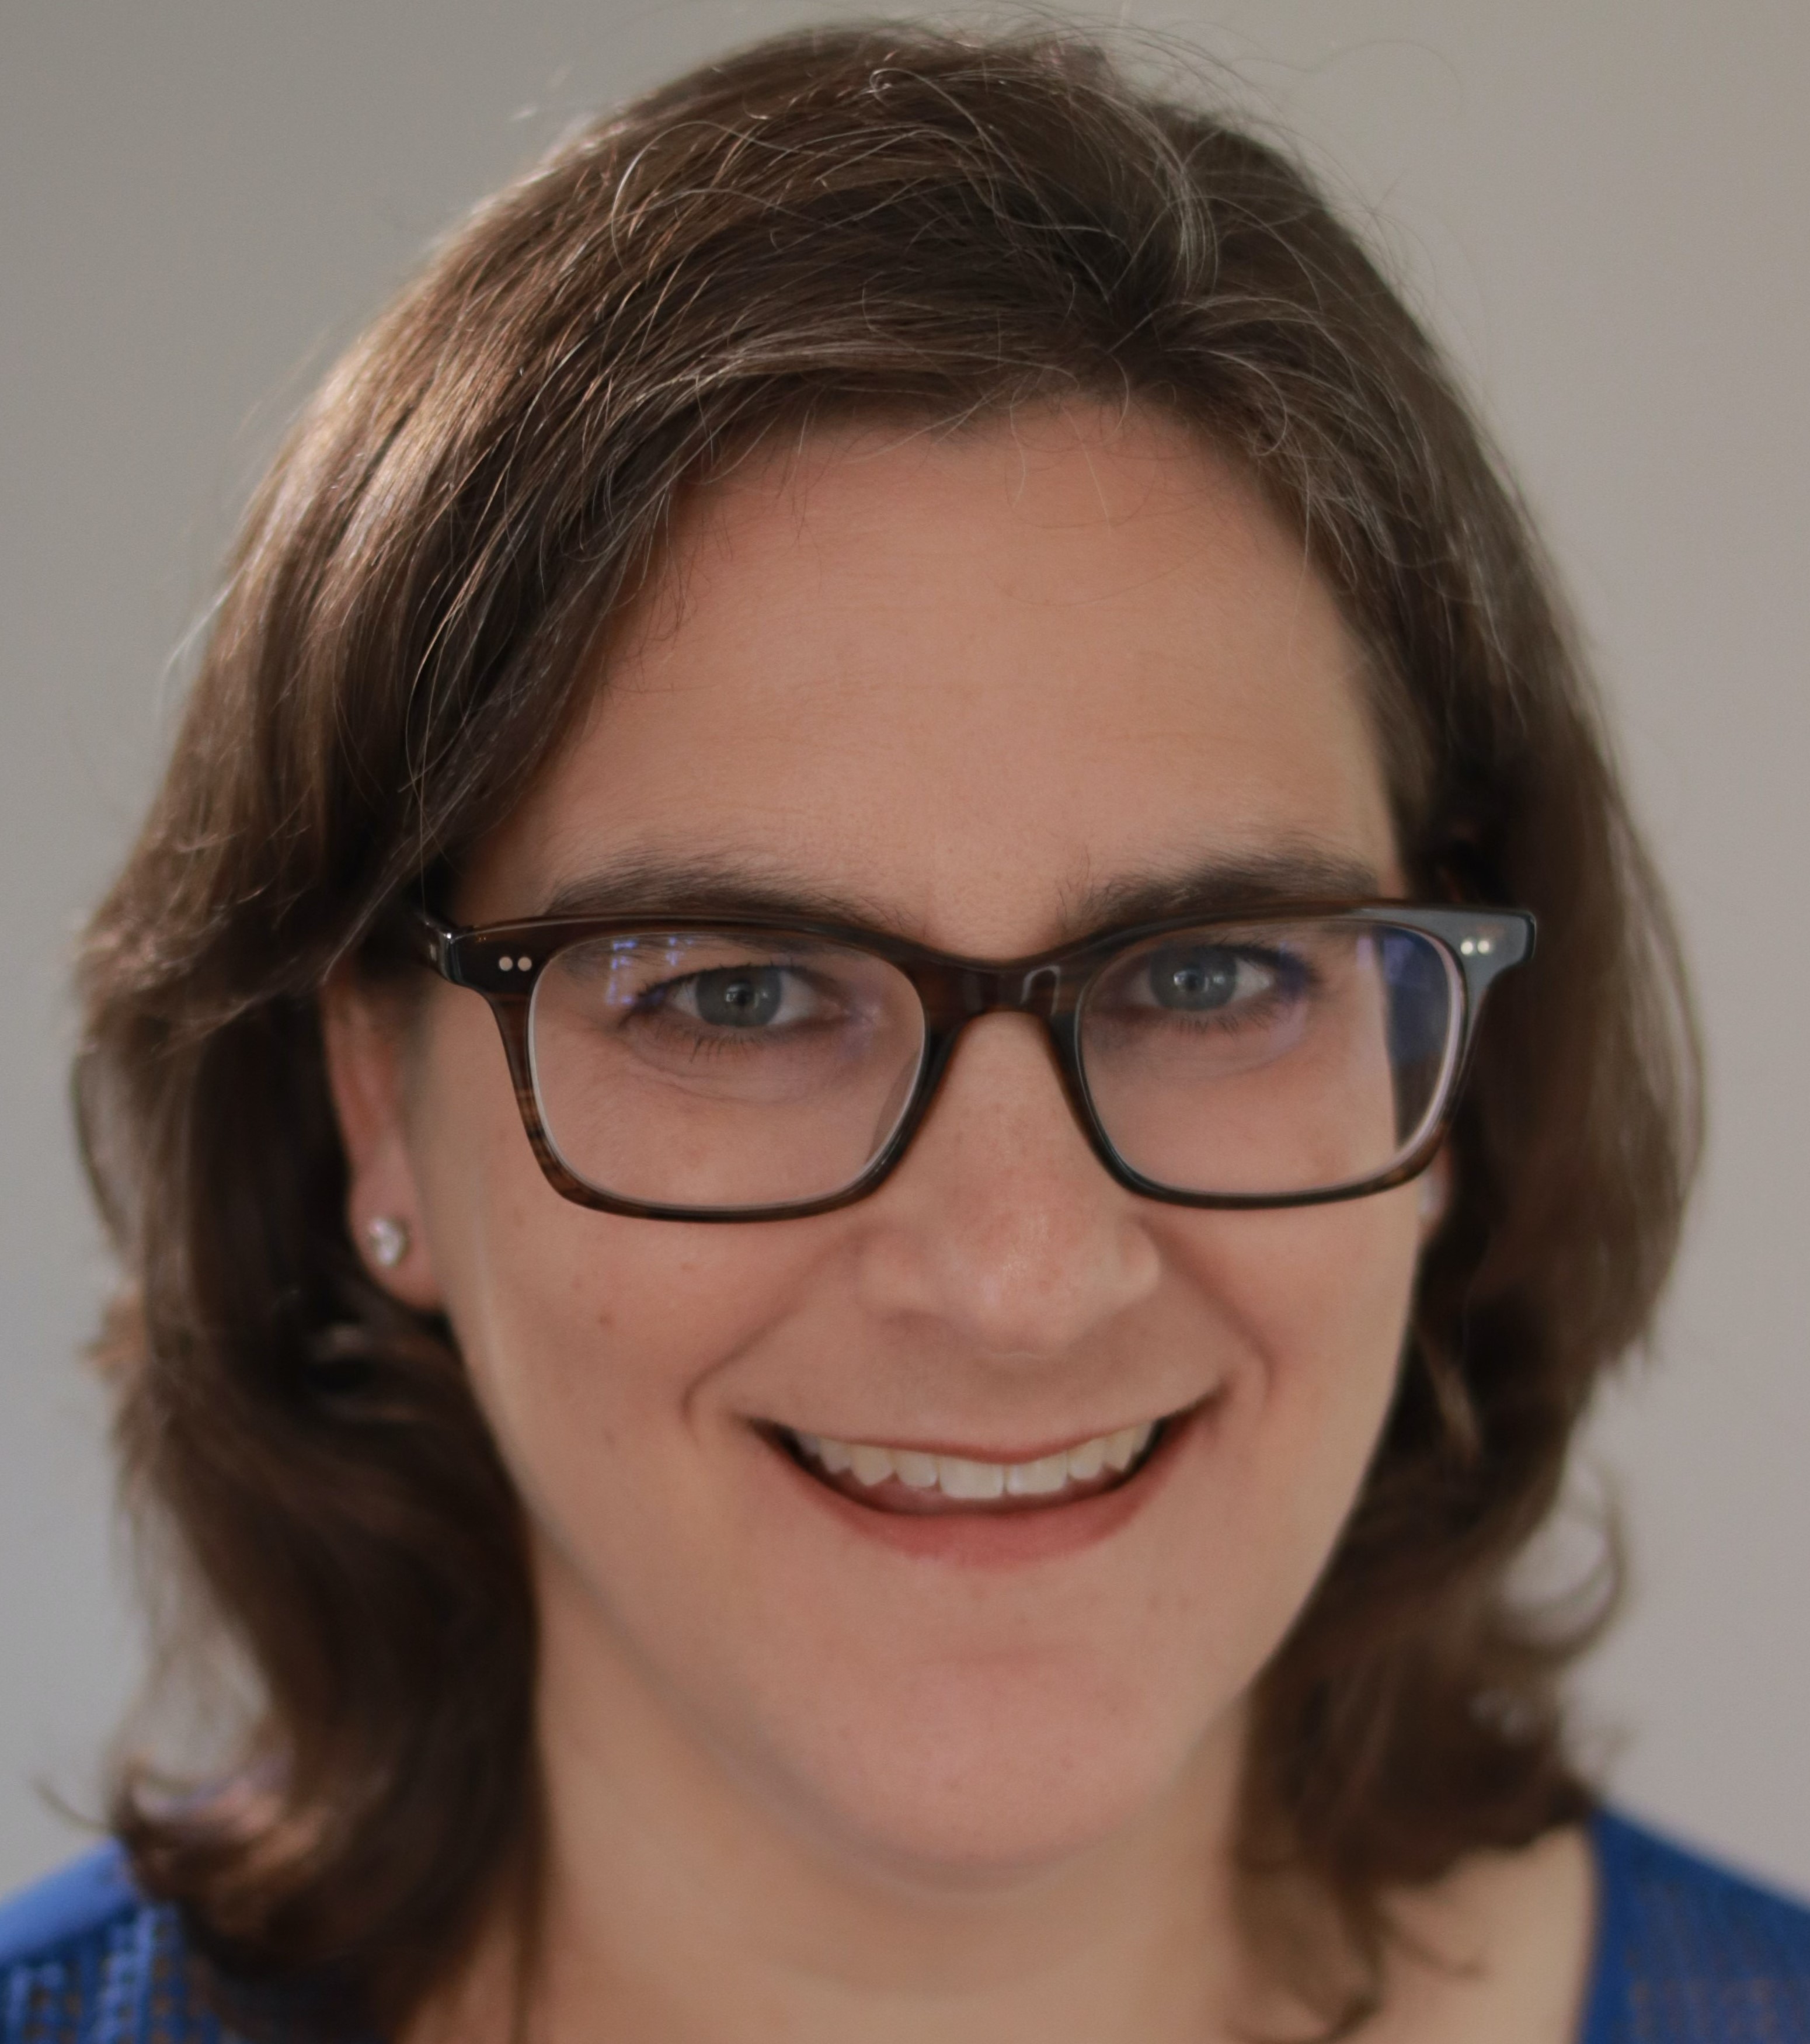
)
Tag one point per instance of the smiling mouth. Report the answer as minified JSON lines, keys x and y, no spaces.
{"x":917,"y":1481}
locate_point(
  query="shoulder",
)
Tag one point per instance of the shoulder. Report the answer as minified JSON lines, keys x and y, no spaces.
{"x":86,"y":1959}
{"x":1689,"y":1952}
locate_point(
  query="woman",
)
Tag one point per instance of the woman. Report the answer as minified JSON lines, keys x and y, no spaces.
{"x":933,"y":1442}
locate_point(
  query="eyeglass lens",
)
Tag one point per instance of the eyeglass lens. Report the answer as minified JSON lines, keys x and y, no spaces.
{"x":1273,"y":1060}
{"x":716,"y":1069}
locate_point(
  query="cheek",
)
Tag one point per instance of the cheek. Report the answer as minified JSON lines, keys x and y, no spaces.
{"x":586,"y":1335}
{"x":1315,"y":1301}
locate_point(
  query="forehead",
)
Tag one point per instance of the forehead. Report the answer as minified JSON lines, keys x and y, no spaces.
{"x":962,"y":684}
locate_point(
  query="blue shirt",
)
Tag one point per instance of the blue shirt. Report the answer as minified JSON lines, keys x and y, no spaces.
{"x":1685,"y":1953}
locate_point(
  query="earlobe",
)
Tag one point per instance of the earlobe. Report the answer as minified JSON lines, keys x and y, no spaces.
{"x":364,"y":1073}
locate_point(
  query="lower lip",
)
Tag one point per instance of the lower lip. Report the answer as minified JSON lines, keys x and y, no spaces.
{"x":1006,"y":1540}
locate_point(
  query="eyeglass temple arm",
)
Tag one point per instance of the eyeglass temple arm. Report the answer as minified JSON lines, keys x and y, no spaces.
{"x":409,"y":930}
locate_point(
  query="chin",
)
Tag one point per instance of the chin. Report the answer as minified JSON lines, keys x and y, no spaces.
{"x":989,"y":1774}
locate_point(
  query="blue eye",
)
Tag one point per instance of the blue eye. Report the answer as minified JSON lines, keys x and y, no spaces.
{"x":738,"y":997}
{"x":1196,"y":978}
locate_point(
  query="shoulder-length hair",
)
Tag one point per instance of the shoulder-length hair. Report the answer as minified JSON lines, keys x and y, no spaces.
{"x":862,"y":219}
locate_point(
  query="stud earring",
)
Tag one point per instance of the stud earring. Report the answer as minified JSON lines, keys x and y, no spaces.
{"x":387,"y":1238}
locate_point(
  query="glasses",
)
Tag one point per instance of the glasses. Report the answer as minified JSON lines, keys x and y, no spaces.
{"x":692,"y":1068}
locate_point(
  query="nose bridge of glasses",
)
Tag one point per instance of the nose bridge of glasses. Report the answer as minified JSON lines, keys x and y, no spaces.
{"x":1039,"y":987}
{"x":1034,"y":989}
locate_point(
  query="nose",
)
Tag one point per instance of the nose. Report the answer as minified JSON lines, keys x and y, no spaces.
{"x":1000,"y":1222}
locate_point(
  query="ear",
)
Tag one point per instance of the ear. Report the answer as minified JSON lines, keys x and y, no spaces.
{"x":362,"y":1035}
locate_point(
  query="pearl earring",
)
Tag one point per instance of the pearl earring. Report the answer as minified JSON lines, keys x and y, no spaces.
{"x":387,"y":1238}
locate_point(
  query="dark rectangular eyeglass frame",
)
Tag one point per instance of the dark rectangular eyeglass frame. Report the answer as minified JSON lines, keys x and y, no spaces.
{"x":503,"y":960}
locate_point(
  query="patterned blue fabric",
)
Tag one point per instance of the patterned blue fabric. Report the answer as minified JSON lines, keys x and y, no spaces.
{"x":84,"y":1960}
{"x":1686,"y":1953}
{"x":1689,"y":1953}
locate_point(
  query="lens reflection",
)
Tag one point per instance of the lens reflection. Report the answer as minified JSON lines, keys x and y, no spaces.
{"x":1271,"y":1059}
{"x":705,"y":1069}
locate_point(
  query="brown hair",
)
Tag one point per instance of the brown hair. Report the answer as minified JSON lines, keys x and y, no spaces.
{"x":866,"y":218}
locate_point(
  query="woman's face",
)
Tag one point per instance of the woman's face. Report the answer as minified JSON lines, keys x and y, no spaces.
{"x":990,"y":691}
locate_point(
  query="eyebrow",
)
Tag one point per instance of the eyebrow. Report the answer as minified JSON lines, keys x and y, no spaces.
{"x":646,"y":884}
{"x":1212,"y":886}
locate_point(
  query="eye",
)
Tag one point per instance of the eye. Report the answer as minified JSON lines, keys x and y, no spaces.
{"x":743,"y":996}
{"x":1196,"y":978}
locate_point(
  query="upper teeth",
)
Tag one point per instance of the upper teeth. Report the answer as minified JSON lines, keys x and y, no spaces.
{"x":959,"y":1476}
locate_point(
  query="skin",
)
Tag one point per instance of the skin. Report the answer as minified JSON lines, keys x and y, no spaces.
{"x":975,"y":689}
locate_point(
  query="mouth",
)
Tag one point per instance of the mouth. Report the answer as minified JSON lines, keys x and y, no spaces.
{"x":923,"y":1483}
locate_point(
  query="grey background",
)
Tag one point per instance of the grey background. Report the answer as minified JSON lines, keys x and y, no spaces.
{"x":1604,"y":205}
